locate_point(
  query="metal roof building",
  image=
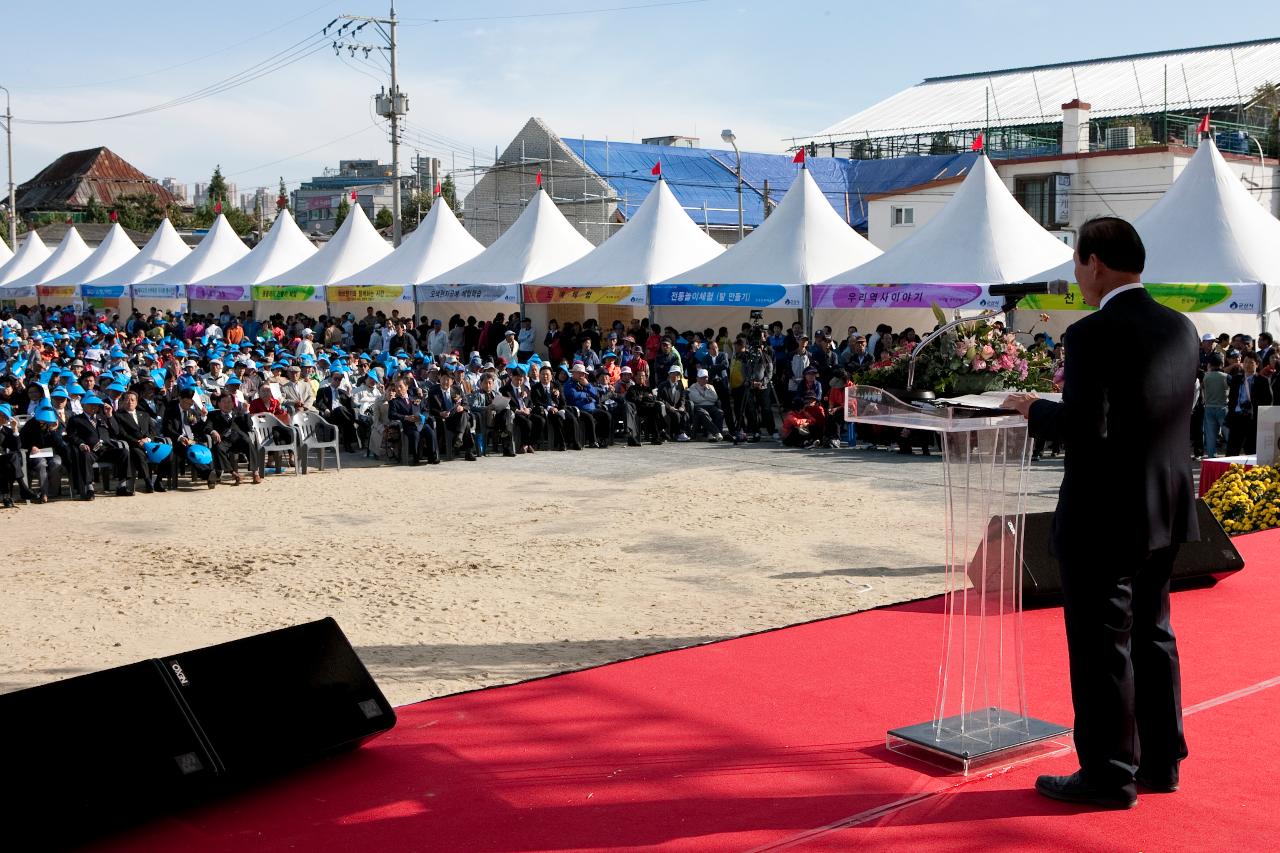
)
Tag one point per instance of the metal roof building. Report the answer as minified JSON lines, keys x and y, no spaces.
{"x":1218,"y":78}
{"x":100,"y":174}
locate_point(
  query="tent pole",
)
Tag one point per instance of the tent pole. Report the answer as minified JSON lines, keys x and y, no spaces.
{"x":808,"y":310}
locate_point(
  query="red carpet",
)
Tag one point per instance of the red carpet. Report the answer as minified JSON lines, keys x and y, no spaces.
{"x":773,"y":741}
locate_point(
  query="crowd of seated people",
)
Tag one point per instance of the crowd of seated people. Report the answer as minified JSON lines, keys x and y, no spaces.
{"x":144,"y":396}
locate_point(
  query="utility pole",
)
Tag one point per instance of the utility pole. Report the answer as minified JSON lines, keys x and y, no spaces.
{"x":13,"y":204}
{"x":390,"y":105}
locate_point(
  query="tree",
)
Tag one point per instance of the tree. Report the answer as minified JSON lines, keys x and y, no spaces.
{"x":282,"y":198}
{"x":139,"y":211}
{"x":344,"y":207}
{"x":384,"y":219}
{"x":1267,"y":98}
{"x":217,"y":187}
{"x":449,"y":192}
{"x":94,"y":211}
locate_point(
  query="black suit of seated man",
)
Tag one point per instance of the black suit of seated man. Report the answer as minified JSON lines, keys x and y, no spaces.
{"x":135,"y":427}
{"x":1125,"y":506}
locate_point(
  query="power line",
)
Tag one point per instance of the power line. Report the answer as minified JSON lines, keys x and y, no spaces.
{"x":255,"y":37}
{"x":302,"y":153}
{"x":281,"y":59}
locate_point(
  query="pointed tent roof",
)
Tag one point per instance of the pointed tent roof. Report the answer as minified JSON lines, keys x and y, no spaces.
{"x":353,"y":247}
{"x":220,"y":248}
{"x":437,"y":245}
{"x":282,"y":249}
{"x":982,"y":235}
{"x":802,"y":242}
{"x":659,"y":240}
{"x":6,"y":254}
{"x":30,"y":255}
{"x":116,"y":248}
{"x":540,"y":241}
{"x":163,"y":250}
{"x":1205,"y":228}
{"x":70,"y":253}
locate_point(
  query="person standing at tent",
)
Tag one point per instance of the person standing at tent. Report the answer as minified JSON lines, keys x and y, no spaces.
{"x":1125,"y":506}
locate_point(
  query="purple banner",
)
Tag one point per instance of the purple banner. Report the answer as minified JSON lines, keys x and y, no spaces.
{"x":947,"y":296}
{"x":219,"y":293}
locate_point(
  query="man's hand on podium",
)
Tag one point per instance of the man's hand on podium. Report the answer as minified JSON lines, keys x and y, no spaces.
{"x":1020,"y":403}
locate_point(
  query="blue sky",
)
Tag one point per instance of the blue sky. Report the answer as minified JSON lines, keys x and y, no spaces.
{"x":769,"y":70}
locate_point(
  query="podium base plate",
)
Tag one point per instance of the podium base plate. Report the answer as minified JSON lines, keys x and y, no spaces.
{"x":958,"y":743}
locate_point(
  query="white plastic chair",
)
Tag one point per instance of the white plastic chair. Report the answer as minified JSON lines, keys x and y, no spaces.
{"x":307,"y":424}
{"x":263,"y":422}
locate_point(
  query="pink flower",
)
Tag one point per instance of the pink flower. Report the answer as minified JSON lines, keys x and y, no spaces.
{"x":993,"y":366}
{"x":1006,"y":362}
{"x":978,"y":364}
{"x":1012,"y":349}
{"x":987,"y":351}
{"x":961,"y":348}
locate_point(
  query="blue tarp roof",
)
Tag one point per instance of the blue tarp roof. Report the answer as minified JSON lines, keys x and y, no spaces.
{"x":700,"y":176}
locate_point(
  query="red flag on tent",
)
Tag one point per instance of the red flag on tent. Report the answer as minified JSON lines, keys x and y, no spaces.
{"x":1203,"y":126}
{"x":217,"y":207}
{"x":657,"y":169}
{"x":115,"y":217}
{"x":353,"y":196}
{"x":799,"y":158}
{"x":439,"y":190}
{"x":538,"y":179}
{"x":281,"y":203}
{"x":68,"y":220}
{"x":978,"y":143}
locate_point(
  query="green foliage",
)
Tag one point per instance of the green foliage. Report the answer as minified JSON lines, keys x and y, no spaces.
{"x":282,"y":197}
{"x":218,"y":187}
{"x":95,"y":212}
{"x":139,"y":211}
{"x":344,"y":208}
{"x":941,"y":144}
{"x":384,"y":219}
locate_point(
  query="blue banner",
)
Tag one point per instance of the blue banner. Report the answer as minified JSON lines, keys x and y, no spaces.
{"x":728,"y":295}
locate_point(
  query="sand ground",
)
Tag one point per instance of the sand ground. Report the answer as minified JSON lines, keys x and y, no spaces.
{"x":464,"y":575}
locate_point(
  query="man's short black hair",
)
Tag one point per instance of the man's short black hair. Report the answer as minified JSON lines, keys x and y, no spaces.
{"x":1114,"y":242}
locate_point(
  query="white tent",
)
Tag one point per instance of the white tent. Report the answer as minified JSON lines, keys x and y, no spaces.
{"x":1208,"y":230}
{"x":281,"y":249}
{"x":540,"y":241}
{"x":70,"y":253}
{"x":353,"y":247}
{"x":219,"y":249}
{"x":31,"y":254}
{"x":659,"y":241}
{"x":6,"y":254}
{"x":437,"y":245}
{"x":982,"y":235}
{"x":163,"y":250}
{"x":802,"y":242}
{"x":114,"y":250}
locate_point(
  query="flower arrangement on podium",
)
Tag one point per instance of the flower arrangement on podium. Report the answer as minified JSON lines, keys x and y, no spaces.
{"x":969,"y":359}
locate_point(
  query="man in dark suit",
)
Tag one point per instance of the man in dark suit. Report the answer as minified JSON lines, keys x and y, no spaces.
{"x":92,"y":439}
{"x":335,"y":405}
{"x":1247,"y":391}
{"x":1125,"y":506}
{"x":135,"y":427}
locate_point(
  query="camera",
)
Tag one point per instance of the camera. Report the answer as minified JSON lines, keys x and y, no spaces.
{"x":757,"y":314}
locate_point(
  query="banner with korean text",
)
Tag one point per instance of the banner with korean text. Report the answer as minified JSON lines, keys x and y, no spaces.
{"x":1236,"y":298}
{"x":505,"y":293}
{"x":536,"y":294}
{"x":728,"y":295}
{"x":287,"y":293}
{"x":371,"y":293}
{"x":945,"y":296}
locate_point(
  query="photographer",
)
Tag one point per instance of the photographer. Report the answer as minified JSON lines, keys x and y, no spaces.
{"x":750,"y":380}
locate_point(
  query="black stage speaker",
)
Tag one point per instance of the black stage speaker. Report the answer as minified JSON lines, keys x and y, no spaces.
{"x":92,"y":753}
{"x":1199,"y":563}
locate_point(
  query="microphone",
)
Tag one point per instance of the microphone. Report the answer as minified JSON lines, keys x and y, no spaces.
{"x":1012,"y":293}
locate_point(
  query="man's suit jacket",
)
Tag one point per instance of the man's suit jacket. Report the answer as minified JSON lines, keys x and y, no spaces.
{"x":547,"y":397}
{"x":1259,"y":392}
{"x":330,"y":398}
{"x":673,"y":394}
{"x":127,"y":430}
{"x":1126,"y":486}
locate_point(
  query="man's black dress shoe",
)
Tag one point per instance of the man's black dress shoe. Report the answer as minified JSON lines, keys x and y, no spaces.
{"x":1158,"y":783}
{"x":1072,"y":789}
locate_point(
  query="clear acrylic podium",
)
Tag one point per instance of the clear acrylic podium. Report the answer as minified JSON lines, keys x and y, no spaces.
{"x":980,"y":705}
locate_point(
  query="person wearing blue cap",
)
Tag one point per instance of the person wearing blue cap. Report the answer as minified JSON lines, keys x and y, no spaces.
{"x":44,"y":435}
{"x":11,"y":460}
{"x":92,"y":439}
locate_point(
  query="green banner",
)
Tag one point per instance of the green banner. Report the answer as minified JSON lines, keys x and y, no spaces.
{"x":289,"y":293}
{"x":1186,"y":298}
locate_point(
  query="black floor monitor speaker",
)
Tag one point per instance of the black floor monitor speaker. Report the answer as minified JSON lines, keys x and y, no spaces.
{"x":1199,"y":563}
{"x":92,"y":753}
